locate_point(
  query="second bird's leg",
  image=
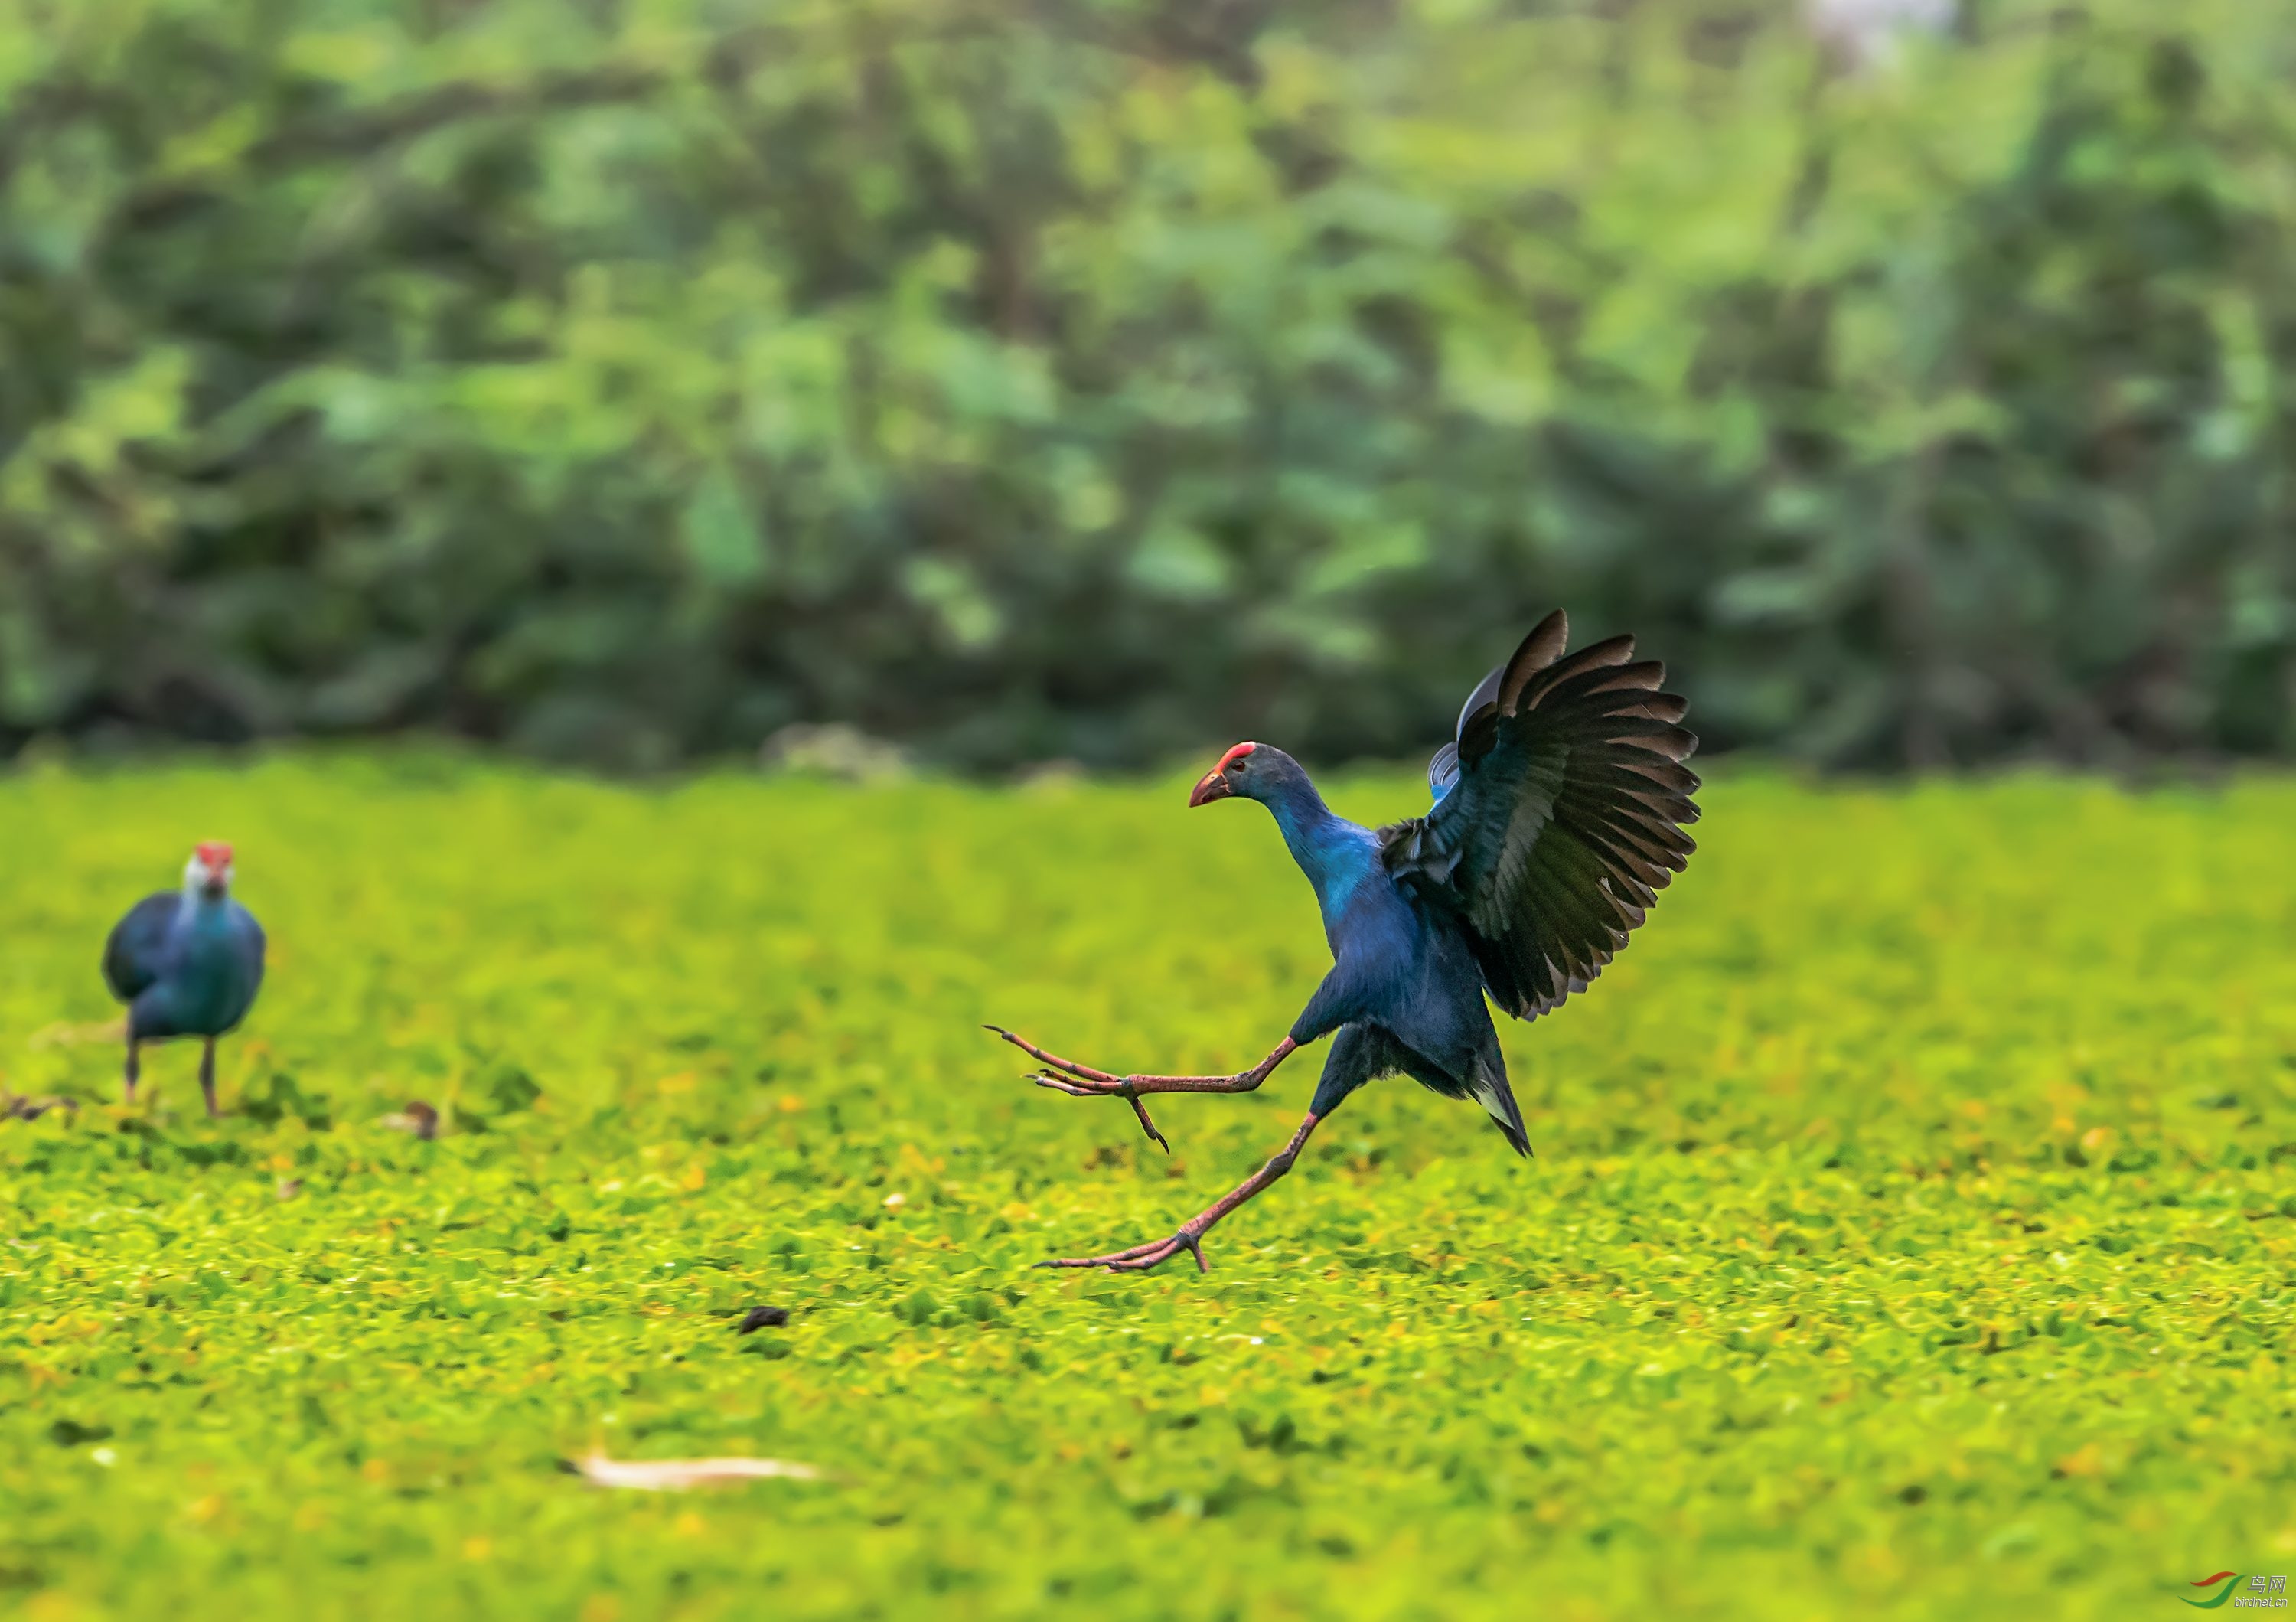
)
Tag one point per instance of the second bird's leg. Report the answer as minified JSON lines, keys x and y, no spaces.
{"x":135,"y":1068}
{"x":1156,"y":1252}
{"x":1083,"y":1081}
{"x":207,"y":1076}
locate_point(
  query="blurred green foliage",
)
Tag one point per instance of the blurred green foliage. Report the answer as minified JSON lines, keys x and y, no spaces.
{"x":1911,"y":1237}
{"x":1089,"y":378}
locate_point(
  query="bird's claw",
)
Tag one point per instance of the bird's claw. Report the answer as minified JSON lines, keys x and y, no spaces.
{"x":1103,"y":1089}
{"x":1082,"y":1081}
{"x":1139,"y":1258}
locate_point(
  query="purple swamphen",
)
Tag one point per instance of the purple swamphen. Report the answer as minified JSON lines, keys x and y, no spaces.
{"x":1558,"y":816}
{"x":187,"y":963}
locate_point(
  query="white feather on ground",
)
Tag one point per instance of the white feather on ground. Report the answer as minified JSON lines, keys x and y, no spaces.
{"x":676,"y":1475}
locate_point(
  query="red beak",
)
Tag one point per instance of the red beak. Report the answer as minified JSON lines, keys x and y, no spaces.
{"x":1212,"y":786}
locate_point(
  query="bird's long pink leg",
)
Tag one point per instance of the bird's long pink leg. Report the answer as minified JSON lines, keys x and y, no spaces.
{"x":1139,"y":1258}
{"x":1083,"y":1081}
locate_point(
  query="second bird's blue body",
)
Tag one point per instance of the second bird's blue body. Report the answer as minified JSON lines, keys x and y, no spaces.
{"x":186,"y":965}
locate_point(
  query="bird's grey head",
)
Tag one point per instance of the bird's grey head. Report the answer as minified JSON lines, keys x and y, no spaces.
{"x":208,"y":871}
{"x":1248,"y":771}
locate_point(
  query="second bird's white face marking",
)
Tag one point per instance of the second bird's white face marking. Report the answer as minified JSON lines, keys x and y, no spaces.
{"x":199,"y":876}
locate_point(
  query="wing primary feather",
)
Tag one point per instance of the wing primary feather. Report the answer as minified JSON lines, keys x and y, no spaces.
{"x":1654,"y":769}
{"x":1645,"y":675}
{"x":1662,"y":855}
{"x":1659,"y":802}
{"x":1661,"y":706}
{"x":1593,"y":656}
{"x":1535,"y":652}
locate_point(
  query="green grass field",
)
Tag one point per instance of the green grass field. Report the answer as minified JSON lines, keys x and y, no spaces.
{"x":1911,"y":1234}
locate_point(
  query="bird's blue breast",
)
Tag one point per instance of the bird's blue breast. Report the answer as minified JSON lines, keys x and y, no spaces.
{"x":1339,"y":857}
{"x":1377,"y":929}
{"x":212,"y":965}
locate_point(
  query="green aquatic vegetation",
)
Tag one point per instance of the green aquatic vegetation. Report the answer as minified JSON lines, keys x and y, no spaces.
{"x":1910,"y":1234}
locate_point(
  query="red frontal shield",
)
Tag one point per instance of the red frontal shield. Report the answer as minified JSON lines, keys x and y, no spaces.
{"x":1213,"y":784}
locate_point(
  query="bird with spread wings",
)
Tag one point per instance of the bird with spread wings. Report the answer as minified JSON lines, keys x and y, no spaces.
{"x":1559,"y":805}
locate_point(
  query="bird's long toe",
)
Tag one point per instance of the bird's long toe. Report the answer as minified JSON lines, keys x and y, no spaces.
{"x":1052,"y":1060}
{"x":1074,"y":1088}
{"x":1140,"y":1258}
{"x":1096,"y":1089}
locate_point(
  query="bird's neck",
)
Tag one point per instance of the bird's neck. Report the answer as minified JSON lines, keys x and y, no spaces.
{"x":1331,"y":850}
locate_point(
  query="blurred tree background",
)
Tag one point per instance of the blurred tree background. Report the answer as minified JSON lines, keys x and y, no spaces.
{"x":623,"y":380}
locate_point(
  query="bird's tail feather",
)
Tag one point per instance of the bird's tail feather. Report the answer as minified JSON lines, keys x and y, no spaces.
{"x":1491,"y":1089}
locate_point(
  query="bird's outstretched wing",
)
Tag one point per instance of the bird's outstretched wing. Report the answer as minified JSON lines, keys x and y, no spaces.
{"x":132,"y":955}
{"x":1559,"y":811}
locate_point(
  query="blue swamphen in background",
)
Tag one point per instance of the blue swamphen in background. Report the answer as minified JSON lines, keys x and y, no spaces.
{"x":1558,"y":815}
{"x":187,"y":963}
